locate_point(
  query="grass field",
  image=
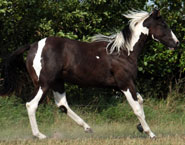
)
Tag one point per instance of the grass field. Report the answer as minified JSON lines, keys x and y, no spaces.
{"x":104,"y":134}
{"x":166,"y":120}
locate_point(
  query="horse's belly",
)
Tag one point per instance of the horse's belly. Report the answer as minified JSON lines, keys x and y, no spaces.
{"x":83,"y":78}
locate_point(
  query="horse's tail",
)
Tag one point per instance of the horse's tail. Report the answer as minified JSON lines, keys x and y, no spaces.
{"x":11,"y":69}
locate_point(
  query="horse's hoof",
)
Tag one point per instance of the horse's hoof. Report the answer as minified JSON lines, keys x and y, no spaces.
{"x":152,"y":136}
{"x":88,"y":130}
{"x":40,"y":136}
{"x":140,"y":128}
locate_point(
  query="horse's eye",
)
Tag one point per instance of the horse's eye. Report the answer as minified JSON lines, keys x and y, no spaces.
{"x":163,"y":24}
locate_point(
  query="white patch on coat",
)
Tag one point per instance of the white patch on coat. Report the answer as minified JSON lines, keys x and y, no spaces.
{"x":137,"y":31}
{"x":37,"y":60}
{"x":60,"y":100}
{"x":136,"y":25}
{"x":97,"y":57}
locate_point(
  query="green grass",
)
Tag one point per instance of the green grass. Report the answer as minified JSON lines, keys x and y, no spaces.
{"x":113,"y":125}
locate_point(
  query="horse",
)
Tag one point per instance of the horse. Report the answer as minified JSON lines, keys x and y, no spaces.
{"x":106,"y":61}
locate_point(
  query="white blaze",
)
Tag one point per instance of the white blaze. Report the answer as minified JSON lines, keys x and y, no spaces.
{"x":37,"y":60}
{"x":174,"y":37}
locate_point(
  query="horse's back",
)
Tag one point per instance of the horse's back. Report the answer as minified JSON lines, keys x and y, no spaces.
{"x":69,"y":60}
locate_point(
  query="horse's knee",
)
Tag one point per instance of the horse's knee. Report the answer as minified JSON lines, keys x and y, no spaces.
{"x":31,"y":108}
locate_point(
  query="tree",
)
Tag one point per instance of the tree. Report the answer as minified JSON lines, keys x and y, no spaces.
{"x":159,"y":64}
{"x":27,"y":21}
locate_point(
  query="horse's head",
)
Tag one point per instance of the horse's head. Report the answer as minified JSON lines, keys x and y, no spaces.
{"x":160,"y":31}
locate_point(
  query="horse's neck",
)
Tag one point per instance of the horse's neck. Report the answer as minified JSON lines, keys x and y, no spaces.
{"x":137,"y":48}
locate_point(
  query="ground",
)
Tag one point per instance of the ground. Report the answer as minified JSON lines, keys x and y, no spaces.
{"x":166,"y":121}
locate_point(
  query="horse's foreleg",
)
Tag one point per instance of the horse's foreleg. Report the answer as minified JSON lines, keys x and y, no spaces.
{"x":61,"y":102}
{"x":140,"y":100}
{"x":138,"y":110}
{"x":31,"y":108}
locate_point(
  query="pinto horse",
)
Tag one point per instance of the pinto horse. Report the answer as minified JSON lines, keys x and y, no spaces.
{"x":107,"y":61}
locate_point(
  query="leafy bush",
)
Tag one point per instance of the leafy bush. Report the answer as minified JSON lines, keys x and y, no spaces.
{"x":120,"y":113}
{"x":23,"y":22}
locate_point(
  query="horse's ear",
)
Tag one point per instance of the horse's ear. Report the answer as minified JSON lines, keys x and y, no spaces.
{"x":155,"y":13}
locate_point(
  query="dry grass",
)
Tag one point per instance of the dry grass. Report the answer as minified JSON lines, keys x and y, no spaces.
{"x":169,"y":140}
{"x":68,"y":133}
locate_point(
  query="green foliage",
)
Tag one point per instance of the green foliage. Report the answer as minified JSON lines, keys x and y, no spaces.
{"x":93,"y":99}
{"x":120,"y":113}
{"x":160,"y":68}
{"x":13,"y":112}
{"x":27,"y":21}
{"x":12,"y":109}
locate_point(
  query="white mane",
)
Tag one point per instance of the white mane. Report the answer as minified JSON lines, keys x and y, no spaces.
{"x":136,"y":17}
{"x":117,"y":41}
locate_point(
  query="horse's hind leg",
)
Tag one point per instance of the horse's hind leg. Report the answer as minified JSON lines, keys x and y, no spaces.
{"x":32,"y":107}
{"x":61,"y":102}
